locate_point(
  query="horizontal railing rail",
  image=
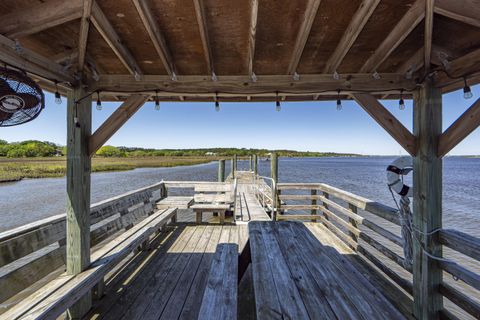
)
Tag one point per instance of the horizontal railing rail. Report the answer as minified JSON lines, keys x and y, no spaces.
{"x":34,"y":251}
{"x":343,"y":213}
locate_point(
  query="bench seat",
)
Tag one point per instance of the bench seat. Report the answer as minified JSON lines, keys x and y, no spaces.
{"x":57,"y":296}
{"x":216,"y":197}
{"x":220,"y":295}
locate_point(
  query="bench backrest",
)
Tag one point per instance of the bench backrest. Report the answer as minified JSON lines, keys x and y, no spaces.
{"x":33,"y":251}
{"x":214,"y":193}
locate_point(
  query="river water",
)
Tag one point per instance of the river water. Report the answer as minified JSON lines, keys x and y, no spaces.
{"x":30,"y":200}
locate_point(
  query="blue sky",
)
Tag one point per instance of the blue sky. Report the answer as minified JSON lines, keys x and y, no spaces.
{"x":312,"y":126}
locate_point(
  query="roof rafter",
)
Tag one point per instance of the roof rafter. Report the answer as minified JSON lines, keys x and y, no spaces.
{"x":83,"y":37}
{"x":202,"y":26}
{"x":252,"y":34}
{"x":304,"y":32}
{"x":32,"y":62}
{"x":464,"y":11}
{"x":105,"y":28}
{"x":40,"y":17}
{"x":359,"y":20}
{"x":429,"y":4}
{"x":155,"y":34}
{"x":406,"y":25}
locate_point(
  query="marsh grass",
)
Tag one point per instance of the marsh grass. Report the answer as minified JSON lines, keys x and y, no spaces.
{"x":17,"y":169}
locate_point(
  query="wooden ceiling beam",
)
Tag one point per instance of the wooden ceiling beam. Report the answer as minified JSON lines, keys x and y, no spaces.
{"x":464,"y":11}
{"x":427,"y":48}
{"x":308,"y":83}
{"x":465,"y":65}
{"x":252,"y":35}
{"x":83,"y":36}
{"x":359,"y":20}
{"x":40,"y":17}
{"x":404,"y":27}
{"x":303,"y":33}
{"x":118,"y":118}
{"x":155,"y":34}
{"x":105,"y":28}
{"x":203,"y":29}
{"x":460,"y":129}
{"x":32,"y":62}
{"x":387,"y":121}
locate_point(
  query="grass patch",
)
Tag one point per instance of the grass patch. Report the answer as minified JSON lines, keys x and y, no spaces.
{"x":17,"y":169}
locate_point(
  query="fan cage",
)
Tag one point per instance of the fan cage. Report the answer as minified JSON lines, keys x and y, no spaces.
{"x":27,"y":97}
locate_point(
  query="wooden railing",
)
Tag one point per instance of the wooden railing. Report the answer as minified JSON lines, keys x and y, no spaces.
{"x":35,"y":251}
{"x":360,"y":224}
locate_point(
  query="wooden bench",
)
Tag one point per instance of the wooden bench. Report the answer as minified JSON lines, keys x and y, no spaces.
{"x":214,"y":197}
{"x":57,"y":296}
{"x":220,"y":296}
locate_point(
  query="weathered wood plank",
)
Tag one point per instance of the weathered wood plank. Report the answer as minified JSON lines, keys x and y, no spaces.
{"x":461,"y":242}
{"x":460,"y":299}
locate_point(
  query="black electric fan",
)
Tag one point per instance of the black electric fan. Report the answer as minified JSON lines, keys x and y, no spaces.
{"x":21,"y":99}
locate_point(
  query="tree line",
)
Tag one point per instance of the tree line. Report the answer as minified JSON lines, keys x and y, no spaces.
{"x":34,"y":148}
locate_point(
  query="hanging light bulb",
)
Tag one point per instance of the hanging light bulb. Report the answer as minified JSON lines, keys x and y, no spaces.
{"x":58,"y":97}
{"x":401,"y":103}
{"x":99,"y":102}
{"x":157,"y":102}
{"x":339,"y":102}
{"x":467,"y":92}
{"x":336,"y":76}
{"x":278,"y":107}
{"x":217,"y":103}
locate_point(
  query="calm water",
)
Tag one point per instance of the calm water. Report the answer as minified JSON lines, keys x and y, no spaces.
{"x":29,"y":200}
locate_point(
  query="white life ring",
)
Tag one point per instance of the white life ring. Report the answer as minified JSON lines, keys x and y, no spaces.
{"x":400,"y":167}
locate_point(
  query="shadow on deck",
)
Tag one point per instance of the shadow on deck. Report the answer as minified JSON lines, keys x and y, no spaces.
{"x":308,"y":274}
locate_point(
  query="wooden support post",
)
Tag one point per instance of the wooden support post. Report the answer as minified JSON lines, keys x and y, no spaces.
{"x":221,"y":170}
{"x":79,"y":127}
{"x":234,"y":167}
{"x":427,"y":202}
{"x":353,"y":222}
{"x":314,"y":203}
{"x":274,"y":176}
{"x":250,"y":163}
{"x":255,"y":164}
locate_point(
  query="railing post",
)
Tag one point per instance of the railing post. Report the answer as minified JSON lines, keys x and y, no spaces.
{"x":255,"y":164}
{"x":354,"y":223}
{"x":427,"y":202}
{"x":79,"y":126}
{"x":313,"y":192}
{"x":234,"y":165}
{"x":274,"y":176}
{"x":221,"y":170}
{"x":325,"y":205}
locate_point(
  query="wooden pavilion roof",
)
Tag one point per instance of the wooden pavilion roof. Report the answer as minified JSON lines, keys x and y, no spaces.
{"x":192,"y":50}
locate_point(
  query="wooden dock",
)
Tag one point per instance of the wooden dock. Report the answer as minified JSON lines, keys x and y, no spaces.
{"x":152,"y":259}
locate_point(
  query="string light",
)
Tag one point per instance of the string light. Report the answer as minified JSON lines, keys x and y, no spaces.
{"x":99,"y":103}
{"x":58,"y":97}
{"x":278,"y":107}
{"x":217,"y":103}
{"x":214,"y":77}
{"x":157,"y":102}
{"x":467,"y":92}
{"x":339,"y":102}
{"x":336,"y":76}
{"x":401,"y":103}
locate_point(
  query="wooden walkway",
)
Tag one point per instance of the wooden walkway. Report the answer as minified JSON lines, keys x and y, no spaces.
{"x":168,"y":281}
{"x":300,"y":271}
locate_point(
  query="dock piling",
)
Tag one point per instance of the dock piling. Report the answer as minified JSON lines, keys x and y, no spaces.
{"x":221,"y":170}
{"x":255,"y":164}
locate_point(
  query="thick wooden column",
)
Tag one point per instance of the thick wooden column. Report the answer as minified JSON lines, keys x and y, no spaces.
{"x":221,"y":170}
{"x":274,"y":167}
{"x":79,"y":126}
{"x":255,"y":164}
{"x":427,"y":202}
{"x":250,"y":163}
